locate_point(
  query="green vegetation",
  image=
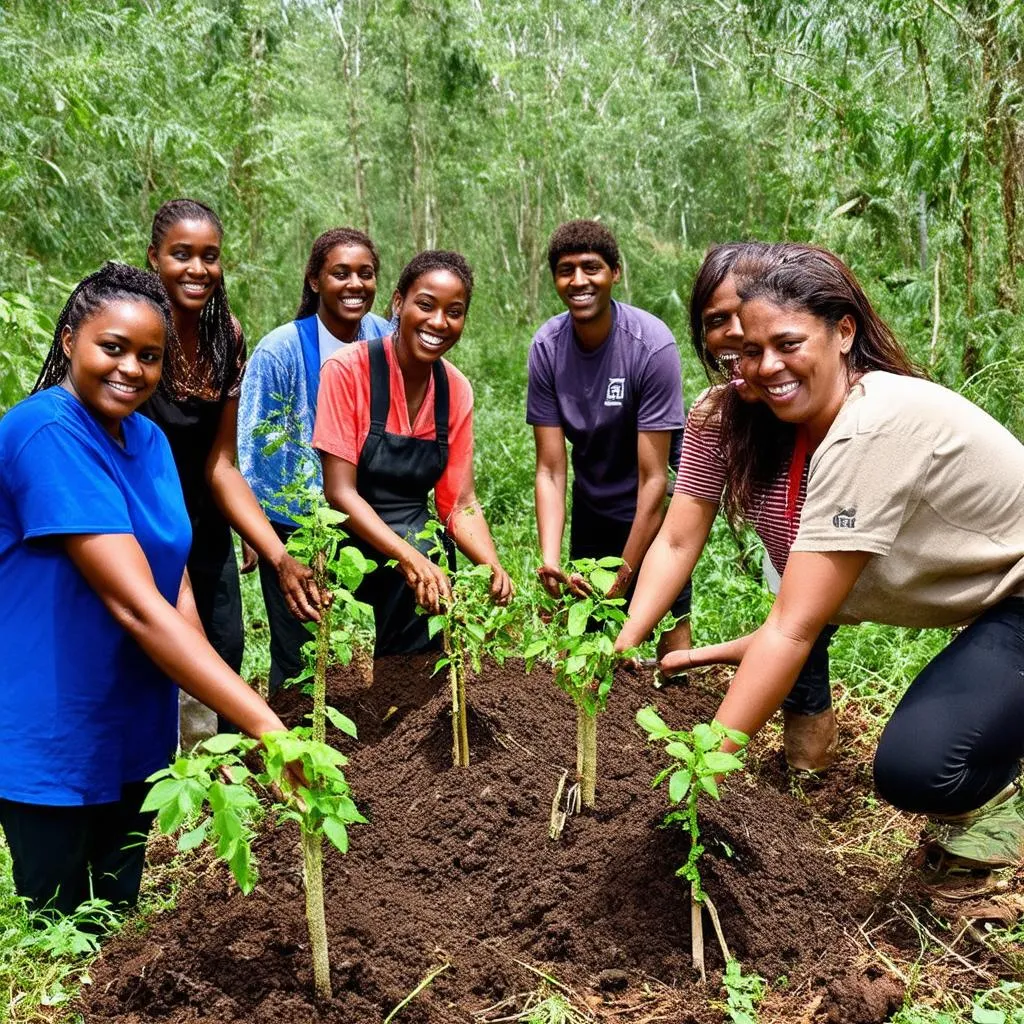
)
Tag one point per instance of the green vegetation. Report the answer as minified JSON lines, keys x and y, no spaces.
{"x":472,"y":625}
{"x":697,"y":765}
{"x":576,"y":637}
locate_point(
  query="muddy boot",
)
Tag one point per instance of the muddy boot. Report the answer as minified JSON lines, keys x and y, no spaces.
{"x":810,"y":741}
{"x":990,"y":837}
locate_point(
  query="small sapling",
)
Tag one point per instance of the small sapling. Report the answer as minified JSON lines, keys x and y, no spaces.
{"x":697,"y":765}
{"x":576,"y":635}
{"x":471,"y":625}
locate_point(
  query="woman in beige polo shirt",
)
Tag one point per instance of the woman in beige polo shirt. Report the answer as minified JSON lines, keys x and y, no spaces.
{"x":914,"y":517}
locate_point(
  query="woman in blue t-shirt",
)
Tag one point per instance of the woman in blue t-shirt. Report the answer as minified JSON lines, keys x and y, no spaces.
{"x":280,"y":388}
{"x":97,"y":615}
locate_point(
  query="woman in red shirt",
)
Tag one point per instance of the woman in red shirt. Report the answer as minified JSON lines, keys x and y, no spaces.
{"x":395,"y":422}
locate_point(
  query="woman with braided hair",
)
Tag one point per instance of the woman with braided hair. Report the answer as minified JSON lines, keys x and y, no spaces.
{"x":197,"y":407}
{"x":97,"y":616}
{"x":338,"y":289}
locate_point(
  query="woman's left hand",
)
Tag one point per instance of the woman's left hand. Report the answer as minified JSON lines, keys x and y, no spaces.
{"x":501,"y":585}
{"x":300,"y":592}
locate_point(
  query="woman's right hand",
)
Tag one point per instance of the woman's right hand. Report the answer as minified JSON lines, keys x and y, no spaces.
{"x":428,"y":581}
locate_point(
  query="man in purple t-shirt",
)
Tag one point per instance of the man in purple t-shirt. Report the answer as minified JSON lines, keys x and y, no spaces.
{"x":607,"y":377}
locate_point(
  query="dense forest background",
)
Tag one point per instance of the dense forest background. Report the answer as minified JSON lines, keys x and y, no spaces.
{"x":889,"y":130}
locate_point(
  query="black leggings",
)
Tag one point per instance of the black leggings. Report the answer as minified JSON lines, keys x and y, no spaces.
{"x":957,"y":737}
{"x":58,"y":851}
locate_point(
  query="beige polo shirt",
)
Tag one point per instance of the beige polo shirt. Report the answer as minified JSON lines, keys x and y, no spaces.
{"x":933,"y":489}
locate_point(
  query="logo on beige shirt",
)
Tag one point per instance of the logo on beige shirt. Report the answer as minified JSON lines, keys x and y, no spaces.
{"x":845,"y":518}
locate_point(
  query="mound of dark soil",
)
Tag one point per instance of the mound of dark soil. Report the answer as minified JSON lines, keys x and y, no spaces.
{"x":457,"y":867}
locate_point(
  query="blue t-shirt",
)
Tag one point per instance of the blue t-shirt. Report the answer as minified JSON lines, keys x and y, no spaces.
{"x":602,"y":399}
{"x":82,"y":709}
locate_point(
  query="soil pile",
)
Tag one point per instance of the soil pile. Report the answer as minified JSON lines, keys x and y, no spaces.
{"x":457,"y":867}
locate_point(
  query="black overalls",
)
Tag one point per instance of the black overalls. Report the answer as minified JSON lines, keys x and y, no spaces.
{"x":395,"y":476}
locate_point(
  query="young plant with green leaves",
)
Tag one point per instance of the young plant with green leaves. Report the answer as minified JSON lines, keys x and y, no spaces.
{"x":697,"y":765}
{"x":576,"y":636}
{"x":471,"y":625}
{"x":211,"y":795}
{"x":321,"y":804}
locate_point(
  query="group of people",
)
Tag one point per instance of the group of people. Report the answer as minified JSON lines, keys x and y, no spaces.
{"x":878,"y":494}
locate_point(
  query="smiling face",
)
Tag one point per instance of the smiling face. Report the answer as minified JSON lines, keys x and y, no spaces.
{"x":584,"y":283}
{"x":723,"y":333}
{"x":346,"y":285}
{"x":188,"y":262}
{"x":795,"y":362}
{"x":116,"y":356}
{"x":431,"y":315}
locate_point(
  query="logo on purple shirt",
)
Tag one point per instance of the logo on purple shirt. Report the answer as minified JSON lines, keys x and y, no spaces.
{"x":616,"y":391}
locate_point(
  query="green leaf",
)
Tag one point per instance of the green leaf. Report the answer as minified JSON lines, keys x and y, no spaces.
{"x":340,"y":721}
{"x":165,"y":792}
{"x":336,"y":832}
{"x":190,"y":840}
{"x":435,"y":624}
{"x":537,"y":647}
{"x":984,"y":1015}
{"x":678,"y":785}
{"x":650,"y":721}
{"x":602,"y":580}
{"x":680,"y":751}
{"x":709,"y":786}
{"x":719,"y":762}
{"x":579,"y":614}
{"x":705,"y":738}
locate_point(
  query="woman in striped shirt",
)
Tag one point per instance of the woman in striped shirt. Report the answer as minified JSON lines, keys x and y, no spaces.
{"x":809,"y":731}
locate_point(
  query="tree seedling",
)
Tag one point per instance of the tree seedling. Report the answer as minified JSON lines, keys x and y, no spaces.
{"x":742,"y":993}
{"x":576,"y":635}
{"x":471,"y":624}
{"x":697,"y":765}
{"x":218,"y":779}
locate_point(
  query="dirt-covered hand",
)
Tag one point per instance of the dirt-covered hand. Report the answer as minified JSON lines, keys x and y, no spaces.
{"x":578,"y":585}
{"x":501,"y":585}
{"x":428,"y":581}
{"x":552,"y":579}
{"x":622,"y":580}
{"x":300,"y":592}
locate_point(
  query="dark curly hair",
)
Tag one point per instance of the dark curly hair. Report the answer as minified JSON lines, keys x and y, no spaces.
{"x":310,"y":301}
{"x":756,"y":444}
{"x":219,"y":333}
{"x":583,"y":236}
{"x":113,"y":282}
{"x":436,"y":259}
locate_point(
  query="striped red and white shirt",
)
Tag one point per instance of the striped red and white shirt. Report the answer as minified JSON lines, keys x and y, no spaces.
{"x":774,"y":512}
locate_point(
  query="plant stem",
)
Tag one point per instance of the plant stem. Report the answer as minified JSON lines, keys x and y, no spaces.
{"x":312,"y":857}
{"x":312,"y":844}
{"x":586,"y":755}
{"x":697,"y":936}
{"x":323,"y":654}
{"x":460,"y":730}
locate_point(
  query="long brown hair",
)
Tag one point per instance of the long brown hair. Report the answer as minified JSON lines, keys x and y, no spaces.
{"x":756,"y":444}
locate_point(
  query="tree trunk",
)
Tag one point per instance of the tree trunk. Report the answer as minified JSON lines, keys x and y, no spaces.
{"x":312,"y":858}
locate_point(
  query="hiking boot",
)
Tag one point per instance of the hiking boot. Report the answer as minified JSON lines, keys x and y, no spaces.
{"x":990,"y":837}
{"x":810,"y":741}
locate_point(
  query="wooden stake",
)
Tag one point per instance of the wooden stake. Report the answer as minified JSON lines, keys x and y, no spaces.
{"x":697,"y":937}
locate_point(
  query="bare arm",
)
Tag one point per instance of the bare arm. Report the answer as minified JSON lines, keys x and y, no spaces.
{"x":236,"y":501}
{"x":187,"y":604}
{"x":116,"y":568}
{"x":549,"y":497}
{"x":669,"y":564}
{"x":470,"y":531}
{"x":652,"y":466}
{"x":814,"y":586}
{"x":427,"y":579}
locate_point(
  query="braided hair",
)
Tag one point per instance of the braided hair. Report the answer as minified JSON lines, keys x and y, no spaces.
{"x":436,"y":259}
{"x":219,"y":332}
{"x":310,"y":301}
{"x":113,"y":282}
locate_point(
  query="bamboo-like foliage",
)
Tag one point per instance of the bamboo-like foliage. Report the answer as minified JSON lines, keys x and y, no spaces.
{"x":890,"y":130}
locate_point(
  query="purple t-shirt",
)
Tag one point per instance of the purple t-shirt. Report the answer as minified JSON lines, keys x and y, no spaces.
{"x":601,"y":400}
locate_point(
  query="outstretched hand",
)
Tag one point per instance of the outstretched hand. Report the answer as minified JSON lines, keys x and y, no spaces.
{"x":428,"y":581}
{"x":502,"y":588}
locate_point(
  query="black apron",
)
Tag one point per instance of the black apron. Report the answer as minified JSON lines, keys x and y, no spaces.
{"x":395,"y":476}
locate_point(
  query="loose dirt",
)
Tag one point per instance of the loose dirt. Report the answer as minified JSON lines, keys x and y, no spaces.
{"x":456,"y":867}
